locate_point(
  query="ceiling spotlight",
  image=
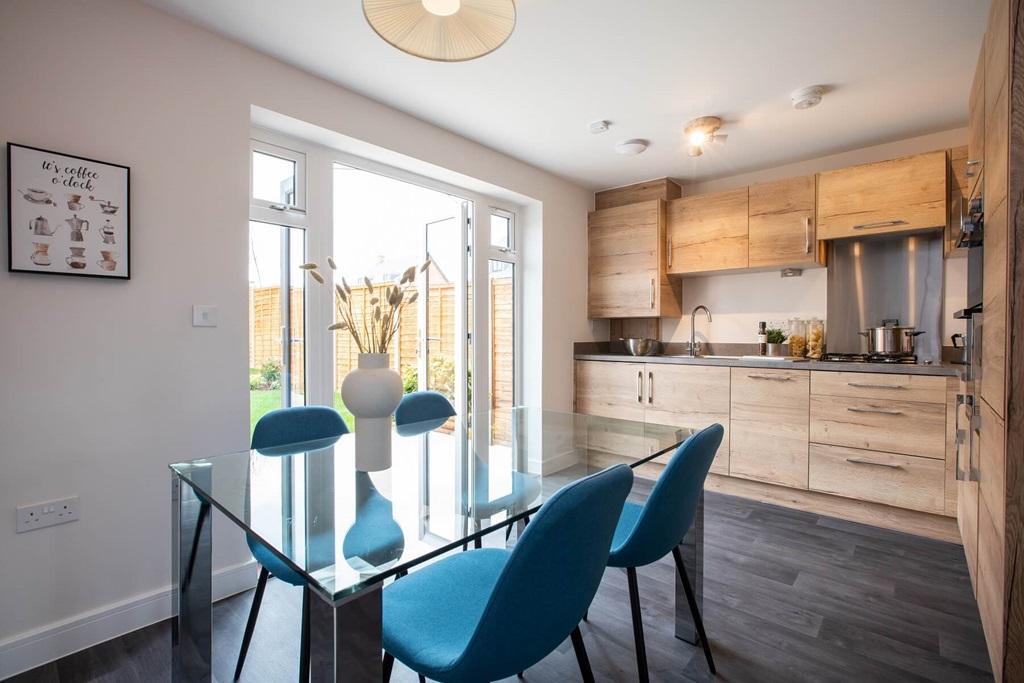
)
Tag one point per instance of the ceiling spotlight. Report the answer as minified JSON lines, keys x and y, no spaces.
{"x":699,"y":132}
{"x":599,"y":127}
{"x":631,"y":147}
{"x":805,"y":98}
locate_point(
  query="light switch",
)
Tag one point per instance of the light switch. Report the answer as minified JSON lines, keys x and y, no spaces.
{"x":204,"y":316}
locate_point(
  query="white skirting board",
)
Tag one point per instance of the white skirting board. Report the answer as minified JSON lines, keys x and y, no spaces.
{"x":34,"y":648}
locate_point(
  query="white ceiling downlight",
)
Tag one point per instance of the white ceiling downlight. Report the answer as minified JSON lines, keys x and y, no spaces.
{"x":442,"y":30}
{"x":599,"y":127}
{"x":805,"y":98}
{"x":631,"y":148}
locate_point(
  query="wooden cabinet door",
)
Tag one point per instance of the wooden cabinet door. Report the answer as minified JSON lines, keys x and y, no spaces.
{"x":625,"y":251}
{"x":610,"y":389}
{"x":691,"y":396}
{"x":768,"y":438}
{"x":888,"y":196}
{"x":782,"y":231}
{"x":976,"y":124}
{"x":708,"y":232}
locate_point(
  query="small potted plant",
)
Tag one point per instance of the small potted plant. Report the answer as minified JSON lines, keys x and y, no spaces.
{"x":776,"y":339}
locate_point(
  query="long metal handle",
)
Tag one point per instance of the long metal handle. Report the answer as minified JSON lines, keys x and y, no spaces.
{"x":773,"y":378}
{"x":807,"y":235}
{"x":879,"y":224}
{"x":650,"y":387}
{"x":670,"y":250}
{"x":858,"y":461}
{"x":869,"y":385}
{"x":971,"y":162}
{"x":960,"y":436}
{"x":652,"y":292}
{"x":880,"y":411}
{"x":640,"y":386}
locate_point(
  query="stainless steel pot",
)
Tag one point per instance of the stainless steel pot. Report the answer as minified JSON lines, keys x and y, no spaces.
{"x":891,"y":339}
{"x":641,"y":346}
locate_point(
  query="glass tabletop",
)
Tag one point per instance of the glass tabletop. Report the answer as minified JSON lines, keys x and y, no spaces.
{"x":345,"y":522}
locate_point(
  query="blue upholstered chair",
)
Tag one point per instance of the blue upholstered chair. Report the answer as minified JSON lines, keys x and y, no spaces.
{"x":284,"y":432}
{"x":646,"y":533}
{"x":422,"y":411}
{"x":487,"y":614}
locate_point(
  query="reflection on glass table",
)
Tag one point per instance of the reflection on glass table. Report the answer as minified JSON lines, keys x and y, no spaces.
{"x":348,"y":531}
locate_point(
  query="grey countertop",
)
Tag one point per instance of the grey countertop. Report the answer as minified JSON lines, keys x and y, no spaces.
{"x":939,"y":369}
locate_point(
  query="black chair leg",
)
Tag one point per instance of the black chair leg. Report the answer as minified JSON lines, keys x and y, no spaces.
{"x":204,"y":512}
{"x":581,"y":656}
{"x":307,"y":594}
{"x":389,"y":664}
{"x":250,"y":625}
{"x":478,"y":543}
{"x":692,"y":600}
{"x":423,"y":679}
{"x":638,"y":626}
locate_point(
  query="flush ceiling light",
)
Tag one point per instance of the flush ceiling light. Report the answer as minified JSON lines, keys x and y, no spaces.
{"x":442,"y":30}
{"x":631,"y":148}
{"x":700,"y":132}
{"x":808,"y":97}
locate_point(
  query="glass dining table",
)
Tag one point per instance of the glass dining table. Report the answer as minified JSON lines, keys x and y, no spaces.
{"x":348,"y":531}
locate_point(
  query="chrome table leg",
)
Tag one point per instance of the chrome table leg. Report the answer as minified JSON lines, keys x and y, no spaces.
{"x":191,"y":599}
{"x":345,"y":639}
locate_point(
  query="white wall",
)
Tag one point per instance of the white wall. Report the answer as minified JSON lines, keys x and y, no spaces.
{"x":738,"y":302}
{"x":104,"y":383}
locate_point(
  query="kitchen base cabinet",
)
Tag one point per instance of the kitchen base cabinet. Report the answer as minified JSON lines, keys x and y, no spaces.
{"x":880,"y":425}
{"x":769,"y":425}
{"x":691,"y":396}
{"x":905,"y":481}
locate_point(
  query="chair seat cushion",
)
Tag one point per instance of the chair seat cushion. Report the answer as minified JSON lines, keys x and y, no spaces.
{"x":620,"y":555}
{"x":430,"y":615}
{"x":273,"y":563}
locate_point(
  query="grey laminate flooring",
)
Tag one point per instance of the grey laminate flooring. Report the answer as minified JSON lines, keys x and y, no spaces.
{"x":788,"y":596}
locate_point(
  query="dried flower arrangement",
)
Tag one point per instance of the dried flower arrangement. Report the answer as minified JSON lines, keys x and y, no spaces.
{"x":373,"y":327}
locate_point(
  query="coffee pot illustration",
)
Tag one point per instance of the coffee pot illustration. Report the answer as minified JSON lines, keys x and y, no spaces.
{"x":77,"y":258}
{"x":107,"y":230}
{"x":40,"y":226}
{"x":41,"y":255}
{"x":77,"y":226}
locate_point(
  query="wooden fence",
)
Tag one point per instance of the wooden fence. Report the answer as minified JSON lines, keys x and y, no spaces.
{"x":265,"y":341}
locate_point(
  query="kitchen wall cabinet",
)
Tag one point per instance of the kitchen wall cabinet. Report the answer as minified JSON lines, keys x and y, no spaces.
{"x":782,"y":224}
{"x":898,"y":195}
{"x":663,"y":188}
{"x":769,"y":425}
{"x":626,"y":263}
{"x":708,"y":232}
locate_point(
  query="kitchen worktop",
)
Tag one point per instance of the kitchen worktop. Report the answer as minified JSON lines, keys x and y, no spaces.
{"x":939,"y":369}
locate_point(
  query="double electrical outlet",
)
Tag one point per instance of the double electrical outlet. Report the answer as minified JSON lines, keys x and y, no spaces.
{"x":50,"y":513}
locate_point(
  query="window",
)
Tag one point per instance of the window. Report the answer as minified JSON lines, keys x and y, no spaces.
{"x":503,"y":319}
{"x":277,"y":301}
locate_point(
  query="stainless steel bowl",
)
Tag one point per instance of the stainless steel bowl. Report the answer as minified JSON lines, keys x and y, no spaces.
{"x":641,"y":346}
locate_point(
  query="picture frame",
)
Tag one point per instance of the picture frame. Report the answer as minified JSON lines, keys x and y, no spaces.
{"x":67,"y":214}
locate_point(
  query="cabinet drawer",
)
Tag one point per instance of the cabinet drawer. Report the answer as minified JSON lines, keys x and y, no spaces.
{"x":889,"y":478}
{"x":893,"y":426}
{"x":889,"y":196}
{"x":924,"y":389}
{"x":768,"y":426}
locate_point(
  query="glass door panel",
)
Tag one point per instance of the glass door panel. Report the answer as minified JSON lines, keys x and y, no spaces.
{"x":501,"y":278}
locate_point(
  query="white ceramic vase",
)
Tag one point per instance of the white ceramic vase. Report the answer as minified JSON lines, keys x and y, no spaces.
{"x":372,"y":392}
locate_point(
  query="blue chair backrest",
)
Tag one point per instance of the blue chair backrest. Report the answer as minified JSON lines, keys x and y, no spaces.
{"x":421,"y":406}
{"x":550,"y":579}
{"x":312,"y":426}
{"x":672,"y":504}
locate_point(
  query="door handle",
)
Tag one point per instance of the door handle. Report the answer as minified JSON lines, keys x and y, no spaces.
{"x":968,"y":171}
{"x":880,"y":411}
{"x":670,"y":250}
{"x":772,"y":378}
{"x":961,"y":436}
{"x":869,"y":385}
{"x":650,"y":387}
{"x":879,"y":224}
{"x":858,"y":461}
{"x":807,"y":235}
{"x":652,"y":292}
{"x":640,"y":386}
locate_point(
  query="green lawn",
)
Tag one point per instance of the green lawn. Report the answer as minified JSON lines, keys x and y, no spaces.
{"x":262,"y":401}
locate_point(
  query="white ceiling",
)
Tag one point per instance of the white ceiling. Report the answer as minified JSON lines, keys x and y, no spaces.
{"x":897,"y":68}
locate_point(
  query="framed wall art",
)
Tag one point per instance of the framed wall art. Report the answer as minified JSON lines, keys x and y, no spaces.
{"x":67,"y":215}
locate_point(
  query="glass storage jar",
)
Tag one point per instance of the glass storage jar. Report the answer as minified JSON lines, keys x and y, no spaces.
{"x":815,"y":338}
{"x":797,"y":337}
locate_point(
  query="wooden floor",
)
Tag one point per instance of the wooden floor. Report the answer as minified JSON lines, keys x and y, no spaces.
{"x":789,"y":596}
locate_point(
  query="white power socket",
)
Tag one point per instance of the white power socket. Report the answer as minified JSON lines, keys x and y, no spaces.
{"x":50,"y":513}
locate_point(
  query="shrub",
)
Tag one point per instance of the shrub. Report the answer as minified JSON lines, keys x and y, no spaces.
{"x":270,"y":375}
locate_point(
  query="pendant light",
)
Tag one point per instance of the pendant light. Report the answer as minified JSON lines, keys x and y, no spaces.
{"x":442,"y":30}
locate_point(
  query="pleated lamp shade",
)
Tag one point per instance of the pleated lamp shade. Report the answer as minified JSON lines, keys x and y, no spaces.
{"x":443,"y":30}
